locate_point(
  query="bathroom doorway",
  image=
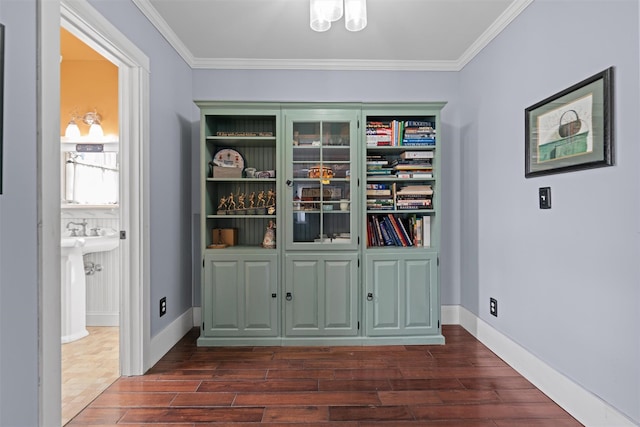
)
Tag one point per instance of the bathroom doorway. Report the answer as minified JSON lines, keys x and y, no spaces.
{"x":80,"y":19}
{"x":90,"y":210}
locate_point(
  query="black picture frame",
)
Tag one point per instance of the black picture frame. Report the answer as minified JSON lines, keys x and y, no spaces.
{"x":571,"y":130}
{"x":1,"y":103}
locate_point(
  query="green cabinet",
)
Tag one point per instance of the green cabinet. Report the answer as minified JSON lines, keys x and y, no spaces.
{"x":294,"y":196}
{"x":240,"y":295}
{"x":321,"y":294}
{"x":402,"y":295}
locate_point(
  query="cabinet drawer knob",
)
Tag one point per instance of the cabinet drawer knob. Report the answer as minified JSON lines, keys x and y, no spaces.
{"x":288,"y":297}
{"x":369,"y":296}
{"x":273,"y":295}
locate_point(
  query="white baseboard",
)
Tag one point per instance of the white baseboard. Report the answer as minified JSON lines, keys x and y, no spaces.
{"x":169,"y":336}
{"x":103,"y":319}
{"x":587,"y":408}
{"x":450,"y":314}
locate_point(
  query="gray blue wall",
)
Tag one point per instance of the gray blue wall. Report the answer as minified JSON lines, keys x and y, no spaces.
{"x":171,"y":115}
{"x":18,"y":221}
{"x":567,"y":280}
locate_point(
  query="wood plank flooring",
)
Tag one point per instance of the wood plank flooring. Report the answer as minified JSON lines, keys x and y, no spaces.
{"x":89,"y":366}
{"x":459,"y":384}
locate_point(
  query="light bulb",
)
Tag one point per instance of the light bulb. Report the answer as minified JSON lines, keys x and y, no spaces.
{"x":355,"y":14}
{"x":95,"y":130}
{"x":72,"y":130}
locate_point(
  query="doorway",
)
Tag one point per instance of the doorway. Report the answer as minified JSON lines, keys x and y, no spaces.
{"x":89,"y":164}
{"x":83,"y":21}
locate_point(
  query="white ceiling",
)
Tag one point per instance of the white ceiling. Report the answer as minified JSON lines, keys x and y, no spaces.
{"x":275,"y":34}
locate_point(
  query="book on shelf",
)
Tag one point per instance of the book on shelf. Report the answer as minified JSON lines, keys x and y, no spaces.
{"x":415,"y":189}
{"x":406,"y":155}
{"x":394,"y":230}
{"x":418,"y":142}
{"x":377,"y":186}
{"x":419,"y":123}
{"x":379,"y":192}
{"x":379,"y":171}
{"x":413,"y":205}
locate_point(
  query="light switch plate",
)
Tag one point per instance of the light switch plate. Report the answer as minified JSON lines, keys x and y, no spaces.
{"x":544,"y":196}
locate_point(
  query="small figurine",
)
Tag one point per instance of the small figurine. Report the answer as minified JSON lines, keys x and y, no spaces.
{"x":269,"y":240}
{"x":241,"y":201}
{"x":271,"y":198}
{"x":252,"y":198}
{"x":261,"y":200}
{"x":223,"y":204}
{"x":231,"y":204}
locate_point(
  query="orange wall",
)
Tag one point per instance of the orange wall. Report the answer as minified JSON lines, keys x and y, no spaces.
{"x":88,"y":82}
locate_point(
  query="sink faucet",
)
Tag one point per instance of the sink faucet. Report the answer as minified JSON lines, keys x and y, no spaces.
{"x":74,"y":231}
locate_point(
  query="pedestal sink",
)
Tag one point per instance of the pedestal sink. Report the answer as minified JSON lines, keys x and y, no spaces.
{"x":73,"y":292}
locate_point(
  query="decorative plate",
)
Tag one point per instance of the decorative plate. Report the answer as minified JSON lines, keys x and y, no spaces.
{"x":228,"y":158}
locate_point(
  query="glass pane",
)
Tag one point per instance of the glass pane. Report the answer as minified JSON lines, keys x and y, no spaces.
{"x":321,"y":166}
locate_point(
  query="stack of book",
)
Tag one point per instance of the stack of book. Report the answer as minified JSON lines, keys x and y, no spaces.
{"x":418,"y":133}
{"x":379,"y":196}
{"x":379,"y":134}
{"x":378,"y":166}
{"x":414,"y":197}
{"x":412,"y":168}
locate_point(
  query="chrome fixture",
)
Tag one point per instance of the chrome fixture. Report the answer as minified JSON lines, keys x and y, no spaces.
{"x":93,"y":120}
{"x":74,"y":231}
{"x":324,"y":12}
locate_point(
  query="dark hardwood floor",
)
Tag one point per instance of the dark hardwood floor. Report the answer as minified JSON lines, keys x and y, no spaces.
{"x":459,"y":384}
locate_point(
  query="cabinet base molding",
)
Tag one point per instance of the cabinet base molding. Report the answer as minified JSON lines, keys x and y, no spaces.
{"x":319,"y":341}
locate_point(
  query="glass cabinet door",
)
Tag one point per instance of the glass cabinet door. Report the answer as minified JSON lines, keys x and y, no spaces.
{"x":320,"y":194}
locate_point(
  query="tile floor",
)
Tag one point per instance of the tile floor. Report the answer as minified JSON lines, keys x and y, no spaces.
{"x":460,"y":384}
{"x":89,"y":366}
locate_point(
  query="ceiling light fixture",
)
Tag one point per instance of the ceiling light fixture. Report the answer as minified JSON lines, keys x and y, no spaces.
{"x":324,"y":12}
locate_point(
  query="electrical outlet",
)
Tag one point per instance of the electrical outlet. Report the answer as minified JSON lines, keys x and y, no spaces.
{"x":493,"y":307}
{"x":163,"y":306}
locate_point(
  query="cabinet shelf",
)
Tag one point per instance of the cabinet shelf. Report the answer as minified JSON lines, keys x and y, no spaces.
{"x":401,"y":211}
{"x":241,"y":141}
{"x":241,"y":216}
{"x":394,"y":179}
{"x":244,"y":180}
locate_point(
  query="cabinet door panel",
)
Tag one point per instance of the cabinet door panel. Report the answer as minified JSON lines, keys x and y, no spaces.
{"x":302,"y":310}
{"x":418,"y":296}
{"x":386,"y":294}
{"x":339,"y":297}
{"x":259,"y":305}
{"x":223,"y":298}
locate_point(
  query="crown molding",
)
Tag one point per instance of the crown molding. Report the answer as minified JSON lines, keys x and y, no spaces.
{"x":322,"y":64}
{"x":487,"y":36}
{"x":492,"y":32}
{"x":165,"y":30}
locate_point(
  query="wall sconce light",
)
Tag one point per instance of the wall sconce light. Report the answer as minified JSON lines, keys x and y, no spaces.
{"x":93,"y":120}
{"x":72,"y":130}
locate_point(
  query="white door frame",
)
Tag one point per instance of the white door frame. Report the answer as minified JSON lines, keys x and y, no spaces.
{"x":82,"y":20}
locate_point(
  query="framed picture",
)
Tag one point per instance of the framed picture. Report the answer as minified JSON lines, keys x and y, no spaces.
{"x":571,"y":130}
